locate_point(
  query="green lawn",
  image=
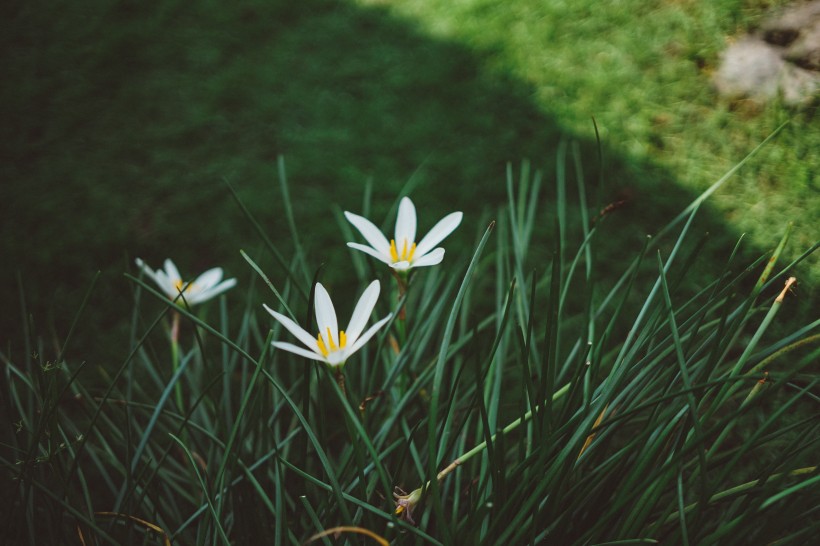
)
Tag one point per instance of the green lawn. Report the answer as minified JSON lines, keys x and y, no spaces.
{"x":642,"y":69}
{"x":124,"y":119}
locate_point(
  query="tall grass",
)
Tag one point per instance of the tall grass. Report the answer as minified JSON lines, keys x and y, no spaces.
{"x":521,"y":401}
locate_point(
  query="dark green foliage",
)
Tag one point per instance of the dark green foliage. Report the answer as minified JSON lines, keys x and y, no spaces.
{"x":680,"y":419}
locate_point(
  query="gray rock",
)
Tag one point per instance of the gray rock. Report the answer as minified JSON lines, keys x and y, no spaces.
{"x":749,"y":68}
{"x":782,"y":28}
{"x":799,"y":86}
{"x":798,"y":30}
{"x":804,"y":51}
{"x":782,"y":59}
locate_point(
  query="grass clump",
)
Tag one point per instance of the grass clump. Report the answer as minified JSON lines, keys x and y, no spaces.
{"x":513,"y":396}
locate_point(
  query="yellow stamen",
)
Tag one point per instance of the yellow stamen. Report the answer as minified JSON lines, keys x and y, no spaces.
{"x":320,"y":342}
{"x":393,"y":254}
{"x":406,"y":254}
{"x":179,"y":283}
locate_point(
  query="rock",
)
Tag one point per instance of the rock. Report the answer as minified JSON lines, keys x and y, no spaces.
{"x":804,"y":51}
{"x":798,"y":30}
{"x":750,"y":68}
{"x":782,"y":59}
{"x":783,"y":28}
{"x":798,"y":86}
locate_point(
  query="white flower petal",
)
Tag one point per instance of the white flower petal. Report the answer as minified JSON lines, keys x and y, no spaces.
{"x":362,"y":311}
{"x":172,"y":271}
{"x":214,"y":291}
{"x":431,"y":258}
{"x":208,"y":279}
{"x":150,"y":273}
{"x":326,"y":318}
{"x":293,"y":328}
{"x":401,"y":266}
{"x":205,"y":287}
{"x":295,"y":349}
{"x":166,"y":284}
{"x":337,"y":358}
{"x":367,"y":335}
{"x":325,"y":314}
{"x":144,"y":267}
{"x":405,"y":225}
{"x":441,"y":230}
{"x":372,"y":251}
{"x":370,"y":232}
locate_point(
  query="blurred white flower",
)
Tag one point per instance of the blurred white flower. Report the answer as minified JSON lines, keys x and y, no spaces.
{"x":331,"y":345}
{"x":402,"y":253}
{"x":203,"y":288}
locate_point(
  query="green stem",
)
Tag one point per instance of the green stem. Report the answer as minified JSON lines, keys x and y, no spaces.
{"x":340,"y":380}
{"x":461,"y":459}
{"x":740,"y":489}
{"x":402,"y":279}
{"x":787,"y":349}
{"x":506,"y":430}
{"x":729,"y":390}
{"x":763,"y":327}
{"x":175,"y":358}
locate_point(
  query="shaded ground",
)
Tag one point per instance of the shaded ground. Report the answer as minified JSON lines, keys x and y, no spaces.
{"x":125,"y":118}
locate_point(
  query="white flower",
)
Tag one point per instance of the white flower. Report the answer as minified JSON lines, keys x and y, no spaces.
{"x":331,"y":345}
{"x":402,"y":253}
{"x":205,"y":287}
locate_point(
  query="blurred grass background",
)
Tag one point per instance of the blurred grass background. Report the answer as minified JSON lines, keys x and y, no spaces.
{"x":121,"y":120}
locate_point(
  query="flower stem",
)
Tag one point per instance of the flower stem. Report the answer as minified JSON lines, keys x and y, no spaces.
{"x":175,"y":358}
{"x":402,"y":279}
{"x":340,"y":380}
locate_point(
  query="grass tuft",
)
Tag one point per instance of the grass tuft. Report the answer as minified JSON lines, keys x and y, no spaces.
{"x":515,"y":397}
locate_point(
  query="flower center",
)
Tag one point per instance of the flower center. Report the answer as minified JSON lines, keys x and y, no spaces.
{"x":406,"y":253}
{"x":331,"y":346}
{"x":179,"y":283}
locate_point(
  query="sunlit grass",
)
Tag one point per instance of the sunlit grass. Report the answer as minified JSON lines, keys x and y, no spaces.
{"x":642,"y":69}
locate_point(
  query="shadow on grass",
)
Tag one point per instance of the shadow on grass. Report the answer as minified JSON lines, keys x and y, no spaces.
{"x":125,"y":117}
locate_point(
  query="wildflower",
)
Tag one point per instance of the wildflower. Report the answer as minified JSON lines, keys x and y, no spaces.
{"x":405,"y":503}
{"x":205,"y":287}
{"x":331,"y":345}
{"x":403,"y":253}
